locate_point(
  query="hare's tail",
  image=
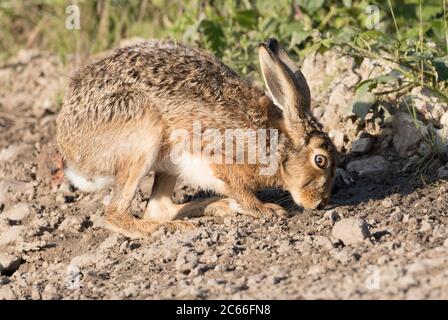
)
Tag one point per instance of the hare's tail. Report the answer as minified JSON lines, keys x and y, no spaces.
{"x":83,"y":183}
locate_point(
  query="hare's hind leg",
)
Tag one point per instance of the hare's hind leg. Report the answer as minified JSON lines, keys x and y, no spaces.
{"x":118,"y":216}
{"x":161,"y":206}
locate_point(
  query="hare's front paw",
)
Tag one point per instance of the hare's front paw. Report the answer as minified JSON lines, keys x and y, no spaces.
{"x":269,"y":210}
{"x":177,"y":225}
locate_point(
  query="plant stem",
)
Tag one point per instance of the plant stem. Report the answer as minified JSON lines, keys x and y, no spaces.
{"x":445,"y":24}
{"x":395,"y":21}
{"x":421,"y":43}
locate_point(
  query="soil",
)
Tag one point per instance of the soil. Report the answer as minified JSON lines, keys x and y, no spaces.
{"x":384,"y":236}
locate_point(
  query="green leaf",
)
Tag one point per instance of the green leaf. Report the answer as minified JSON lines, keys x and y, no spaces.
{"x":298,"y":37}
{"x":371,"y":35}
{"x":374,"y":36}
{"x":385,"y":78}
{"x":346,"y":34}
{"x":311,"y":6}
{"x":366,"y":86}
{"x":247,"y":18}
{"x":438,"y":30}
{"x":429,"y":11}
{"x":362,"y":103}
{"x":372,"y":83}
{"x":214,"y":36}
{"x":441,"y":65}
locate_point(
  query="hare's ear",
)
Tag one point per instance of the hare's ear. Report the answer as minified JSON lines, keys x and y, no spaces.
{"x":285,"y":83}
{"x":299,"y":79}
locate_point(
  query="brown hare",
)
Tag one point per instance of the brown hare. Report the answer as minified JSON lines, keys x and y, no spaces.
{"x":121,"y":113}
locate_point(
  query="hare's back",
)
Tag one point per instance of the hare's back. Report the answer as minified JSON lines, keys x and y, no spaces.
{"x":171,"y":76}
{"x":162,"y":69}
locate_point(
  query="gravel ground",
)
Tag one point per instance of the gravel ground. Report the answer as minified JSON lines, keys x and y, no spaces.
{"x":385,"y":235}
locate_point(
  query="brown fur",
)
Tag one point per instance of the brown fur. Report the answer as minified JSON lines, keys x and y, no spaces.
{"x":121,"y":110}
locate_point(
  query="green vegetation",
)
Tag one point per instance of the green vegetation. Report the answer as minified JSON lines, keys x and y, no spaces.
{"x":411,"y":35}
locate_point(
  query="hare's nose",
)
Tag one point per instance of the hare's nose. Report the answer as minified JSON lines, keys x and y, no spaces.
{"x":322,"y":204}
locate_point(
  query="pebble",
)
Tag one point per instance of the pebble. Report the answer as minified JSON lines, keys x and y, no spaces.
{"x":72,"y":224}
{"x":332,"y":215}
{"x":397,"y":215}
{"x":4,"y":280}
{"x":368,"y":166}
{"x":351,"y":230}
{"x":18,"y":212}
{"x":342,"y":256}
{"x":316,"y":270}
{"x":337,"y":137}
{"x":11,"y":235}
{"x":383,"y":259}
{"x":445,"y":243}
{"x":109,"y":242}
{"x":9,"y":263}
{"x":412,"y":222}
{"x":50,"y":293}
{"x":6,"y":293}
{"x":186,"y":261}
{"x":362,"y":145}
{"x":406,"y":217}
{"x":442,"y":172}
{"x":387,"y":203}
{"x":426,"y":226}
{"x":131,"y":292}
{"x":323,"y":242}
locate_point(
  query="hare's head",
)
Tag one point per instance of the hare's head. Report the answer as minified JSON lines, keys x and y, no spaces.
{"x":308,"y":163}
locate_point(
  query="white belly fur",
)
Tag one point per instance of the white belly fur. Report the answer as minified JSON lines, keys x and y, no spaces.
{"x":197,"y":172}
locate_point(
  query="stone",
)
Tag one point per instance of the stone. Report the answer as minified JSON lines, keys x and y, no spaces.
{"x":332,"y":215}
{"x":186,"y":261}
{"x":12,"y":235}
{"x":442,"y":172}
{"x":131,"y":291}
{"x":426,"y":226}
{"x":411,"y":164}
{"x":387,"y":203}
{"x":12,"y":152}
{"x":397,"y":215}
{"x":337,"y":137}
{"x":362,"y":145}
{"x":11,"y":190}
{"x":444,"y":120}
{"x":323,"y":242}
{"x":72,"y":224}
{"x":427,"y":103}
{"x":438,"y":111}
{"x":351,"y":80}
{"x":342,"y":256}
{"x":351,"y":230}
{"x":445,"y":243}
{"x":18,"y":212}
{"x":341,"y":97}
{"x":84,"y":260}
{"x":368,"y":166}
{"x":9,"y":263}
{"x":109,"y":242}
{"x":407,"y":135}
{"x":6,"y":293}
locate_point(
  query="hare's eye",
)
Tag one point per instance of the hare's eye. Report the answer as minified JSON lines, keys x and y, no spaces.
{"x":321,"y":161}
